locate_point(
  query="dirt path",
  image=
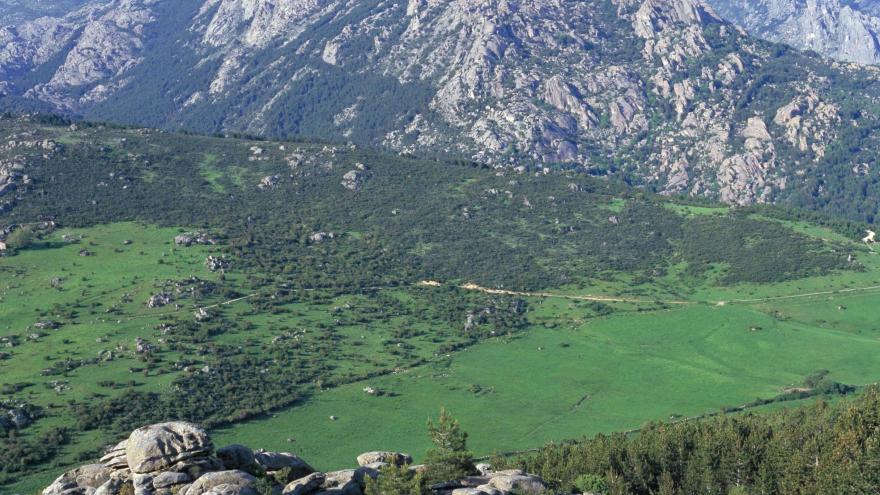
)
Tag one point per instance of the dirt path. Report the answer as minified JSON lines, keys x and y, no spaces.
{"x":504,"y":292}
{"x":799,"y":296}
{"x":475,"y":287}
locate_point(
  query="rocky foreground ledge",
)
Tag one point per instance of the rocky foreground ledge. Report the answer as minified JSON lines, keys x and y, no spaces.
{"x":178,"y":458}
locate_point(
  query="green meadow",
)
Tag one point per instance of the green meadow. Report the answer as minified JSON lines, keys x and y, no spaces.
{"x":610,"y":374}
{"x":573,"y":370}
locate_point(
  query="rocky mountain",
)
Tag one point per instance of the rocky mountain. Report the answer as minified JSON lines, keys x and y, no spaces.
{"x":662,"y":93}
{"x":840,"y":29}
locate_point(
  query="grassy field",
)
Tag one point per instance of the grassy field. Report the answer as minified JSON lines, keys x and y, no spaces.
{"x":88,"y":298}
{"x":577,"y":368}
{"x":604,"y":375}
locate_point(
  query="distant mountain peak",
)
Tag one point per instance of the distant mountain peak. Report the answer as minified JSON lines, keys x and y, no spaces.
{"x":839,"y":29}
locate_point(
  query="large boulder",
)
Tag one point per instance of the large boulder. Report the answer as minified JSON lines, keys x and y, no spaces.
{"x":348,"y":481}
{"x":304,"y":486}
{"x":517,"y":481}
{"x":232,"y":482}
{"x":278,"y":461}
{"x":157,"y":447}
{"x":81,"y":481}
{"x":396,"y":458}
{"x":236,"y":456}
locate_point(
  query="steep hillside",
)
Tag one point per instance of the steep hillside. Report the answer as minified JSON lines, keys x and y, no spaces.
{"x":285,"y":294}
{"x":841,"y":29}
{"x":662,"y":92}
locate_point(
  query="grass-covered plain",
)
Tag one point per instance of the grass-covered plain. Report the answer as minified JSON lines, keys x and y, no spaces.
{"x":577,"y":378}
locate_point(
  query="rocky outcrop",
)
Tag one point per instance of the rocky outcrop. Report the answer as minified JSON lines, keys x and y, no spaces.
{"x":394,"y":458}
{"x":190,"y":238}
{"x":177,"y":458}
{"x":353,"y":180}
{"x":657,"y":16}
{"x":216,"y":263}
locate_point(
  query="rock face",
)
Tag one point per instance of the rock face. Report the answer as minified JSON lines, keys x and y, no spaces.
{"x":99,"y":43}
{"x":177,"y":458}
{"x":834,"y":28}
{"x":661,"y":92}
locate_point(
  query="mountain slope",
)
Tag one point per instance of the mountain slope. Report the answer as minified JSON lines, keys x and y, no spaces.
{"x":662,"y":93}
{"x":841,"y":29}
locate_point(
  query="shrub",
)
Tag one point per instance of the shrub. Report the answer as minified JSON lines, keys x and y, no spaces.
{"x":396,"y":480}
{"x":590,"y":483}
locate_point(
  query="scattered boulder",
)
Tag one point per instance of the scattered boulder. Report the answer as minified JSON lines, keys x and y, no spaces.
{"x":189,"y":238}
{"x":47,"y":325}
{"x":396,"y":458}
{"x":468,"y":491}
{"x":201,"y":315}
{"x":216,"y":263}
{"x":141,"y":346}
{"x":354,"y":179}
{"x":268,"y":182}
{"x":319,"y":237}
{"x":159,"y":300}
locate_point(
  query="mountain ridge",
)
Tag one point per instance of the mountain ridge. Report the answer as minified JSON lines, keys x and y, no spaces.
{"x":662,"y":93}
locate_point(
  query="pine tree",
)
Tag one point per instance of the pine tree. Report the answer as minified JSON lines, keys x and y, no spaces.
{"x":449,"y":459}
